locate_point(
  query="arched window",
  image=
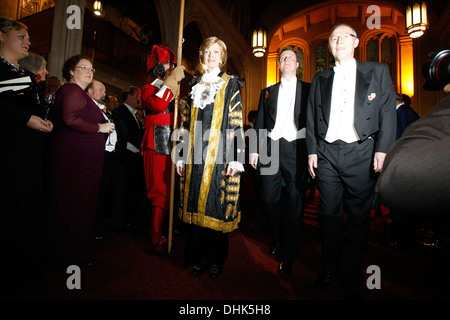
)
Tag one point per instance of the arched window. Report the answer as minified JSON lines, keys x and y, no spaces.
{"x":324,"y":58}
{"x":372,"y":50}
{"x":380,"y":48}
{"x":387,"y":53}
{"x":301,"y":62}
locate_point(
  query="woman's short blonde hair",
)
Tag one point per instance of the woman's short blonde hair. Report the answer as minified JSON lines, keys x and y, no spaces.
{"x":7,"y":25}
{"x":208,"y":42}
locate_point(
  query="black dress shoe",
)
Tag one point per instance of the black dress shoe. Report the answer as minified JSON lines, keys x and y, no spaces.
{"x":284,"y":268}
{"x":274,"y":249}
{"x":324,"y":280}
{"x":215,"y":271}
{"x":197,"y":270}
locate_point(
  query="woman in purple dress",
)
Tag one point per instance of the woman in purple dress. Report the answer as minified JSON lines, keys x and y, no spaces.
{"x":75,"y":167}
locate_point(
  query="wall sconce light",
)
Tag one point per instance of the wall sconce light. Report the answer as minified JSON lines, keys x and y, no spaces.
{"x":259,"y":42}
{"x":416,"y":19}
{"x":98,"y":8}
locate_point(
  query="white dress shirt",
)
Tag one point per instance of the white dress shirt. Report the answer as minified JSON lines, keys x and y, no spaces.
{"x":399,"y":105}
{"x":284,"y":124}
{"x":112,"y":137}
{"x":343,"y":104}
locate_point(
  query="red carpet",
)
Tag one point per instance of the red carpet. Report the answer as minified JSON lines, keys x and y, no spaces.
{"x":125,"y":272}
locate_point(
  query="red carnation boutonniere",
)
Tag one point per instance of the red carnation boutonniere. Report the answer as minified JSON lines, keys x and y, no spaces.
{"x":37,"y":78}
{"x":267,"y":95}
{"x":372,"y":96}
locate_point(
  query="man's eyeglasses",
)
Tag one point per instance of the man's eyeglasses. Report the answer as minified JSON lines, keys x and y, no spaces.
{"x":86,"y":69}
{"x":344,"y":36}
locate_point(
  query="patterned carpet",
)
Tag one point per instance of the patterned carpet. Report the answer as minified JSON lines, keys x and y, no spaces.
{"x":123,"y":271}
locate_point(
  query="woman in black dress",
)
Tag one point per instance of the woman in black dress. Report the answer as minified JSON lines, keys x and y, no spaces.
{"x":21,"y":138}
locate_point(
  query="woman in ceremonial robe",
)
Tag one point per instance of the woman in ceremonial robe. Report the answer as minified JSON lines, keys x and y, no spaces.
{"x":213,"y":160}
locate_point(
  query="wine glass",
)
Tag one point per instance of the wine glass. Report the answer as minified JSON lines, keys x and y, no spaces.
{"x":50,"y":99}
{"x":49,"y":102}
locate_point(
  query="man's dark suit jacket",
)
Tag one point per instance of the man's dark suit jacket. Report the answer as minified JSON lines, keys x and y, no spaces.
{"x":130,"y":131}
{"x":375,"y":114}
{"x":268,"y":104}
{"x":416,"y":173}
{"x":405,"y":116}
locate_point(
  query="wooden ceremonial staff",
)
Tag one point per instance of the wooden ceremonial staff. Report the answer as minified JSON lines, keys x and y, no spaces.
{"x":175,"y":116}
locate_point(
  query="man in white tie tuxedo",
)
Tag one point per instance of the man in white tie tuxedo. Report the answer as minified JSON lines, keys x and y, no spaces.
{"x":130,"y":158}
{"x":282,"y":113}
{"x":110,"y":197}
{"x":351,"y":123}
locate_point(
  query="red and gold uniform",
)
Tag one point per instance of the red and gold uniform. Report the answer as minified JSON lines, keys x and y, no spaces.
{"x":156,"y":101}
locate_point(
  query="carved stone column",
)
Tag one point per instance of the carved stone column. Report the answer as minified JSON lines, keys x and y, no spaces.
{"x":67,"y":33}
{"x":406,"y":82}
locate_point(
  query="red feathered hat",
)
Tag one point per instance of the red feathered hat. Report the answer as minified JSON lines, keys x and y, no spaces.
{"x":160,"y":55}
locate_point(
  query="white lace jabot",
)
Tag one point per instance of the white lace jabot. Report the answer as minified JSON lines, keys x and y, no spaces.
{"x":204,"y":92}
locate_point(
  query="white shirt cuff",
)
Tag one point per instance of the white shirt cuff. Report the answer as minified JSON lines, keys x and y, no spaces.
{"x":180,"y":163}
{"x":236,"y":165}
{"x":162,"y":91}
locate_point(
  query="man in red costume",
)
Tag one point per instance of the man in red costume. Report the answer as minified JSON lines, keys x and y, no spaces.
{"x":157,"y":102}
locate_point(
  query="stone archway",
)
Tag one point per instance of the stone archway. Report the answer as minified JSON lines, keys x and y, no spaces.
{"x":313,"y":24}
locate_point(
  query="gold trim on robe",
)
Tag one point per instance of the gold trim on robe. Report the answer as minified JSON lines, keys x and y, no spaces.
{"x":228,"y":195}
